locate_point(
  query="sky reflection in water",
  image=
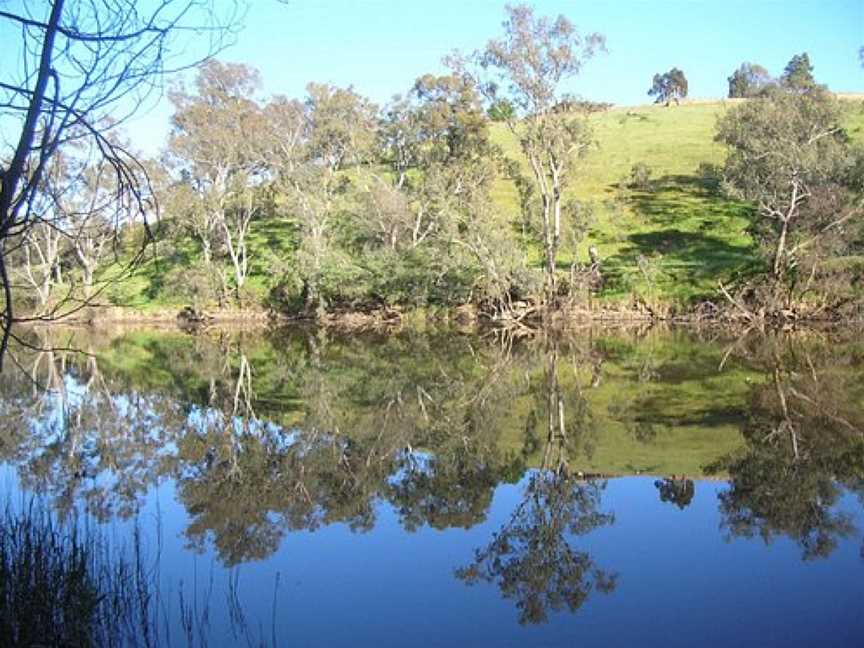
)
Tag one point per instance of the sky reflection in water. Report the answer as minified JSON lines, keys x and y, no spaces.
{"x":612,"y":490}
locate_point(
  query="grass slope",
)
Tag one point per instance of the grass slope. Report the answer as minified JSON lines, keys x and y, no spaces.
{"x":673,"y":241}
{"x":670,"y":243}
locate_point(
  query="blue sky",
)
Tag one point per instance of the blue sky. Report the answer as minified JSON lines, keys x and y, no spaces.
{"x":381,"y":46}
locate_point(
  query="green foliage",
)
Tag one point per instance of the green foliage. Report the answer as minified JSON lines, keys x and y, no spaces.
{"x":668,"y":87}
{"x":341,"y":125}
{"x":798,"y":73}
{"x":501,"y":110}
{"x":422,"y":277}
{"x":690,"y":234}
{"x":749,"y":80}
{"x":789,"y":155}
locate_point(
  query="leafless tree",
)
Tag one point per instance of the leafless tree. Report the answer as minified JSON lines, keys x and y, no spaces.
{"x":80,"y":70}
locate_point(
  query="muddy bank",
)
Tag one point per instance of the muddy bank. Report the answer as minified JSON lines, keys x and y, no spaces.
{"x":521,"y":316}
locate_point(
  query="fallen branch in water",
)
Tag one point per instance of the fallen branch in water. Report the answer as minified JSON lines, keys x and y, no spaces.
{"x":748,"y":314}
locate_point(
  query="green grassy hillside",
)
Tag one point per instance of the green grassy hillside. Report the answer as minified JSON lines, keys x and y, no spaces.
{"x":670,"y":242}
{"x":674,"y":241}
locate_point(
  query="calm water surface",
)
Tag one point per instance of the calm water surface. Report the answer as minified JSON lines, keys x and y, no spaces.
{"x":610,"y":488}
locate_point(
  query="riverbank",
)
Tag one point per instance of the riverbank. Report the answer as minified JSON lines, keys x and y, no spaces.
{"x":523,"y":315}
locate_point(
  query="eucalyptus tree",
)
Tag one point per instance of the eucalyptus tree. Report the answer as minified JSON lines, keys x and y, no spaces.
{"x":789,"y":154}
{"x":668,"y":87}
{"x":426,"y":139}
{"x":91,"y":231}
{"x":337,"y":134}
{"x":749,"y":80}
{"x":87,"y":211}
{"x":676,"y":490}
{"x":798,"y":73}
{"x":71,"y":66}
{"x":41,"y":247}
{"x":77,"y":221}
{"x":455,"y":157}
{"x":529,"y":65}
{"x":287,"y":133}
{"x":500,"y":110}
{"x":217,"y":152}
{"x":434,"y":205}
{"x":399,"y":138}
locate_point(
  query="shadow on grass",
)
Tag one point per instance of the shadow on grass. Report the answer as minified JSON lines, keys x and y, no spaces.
{"x":267,"y":238}
{"x":690,"y":229}
{"x":158,"y":270}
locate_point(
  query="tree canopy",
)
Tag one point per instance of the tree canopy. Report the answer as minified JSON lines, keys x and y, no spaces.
{"x":798,"y":73}
{"x":668,"y":87}
{"x":789,"y":155}
{"x":749,"y":80}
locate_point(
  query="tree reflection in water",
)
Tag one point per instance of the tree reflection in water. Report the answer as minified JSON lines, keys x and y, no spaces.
{"x":676,"y":490}
{"x":804,"y":444}
{"x":78,"y":436}
{"x":532,"y":559}
{"x":264,"y":437}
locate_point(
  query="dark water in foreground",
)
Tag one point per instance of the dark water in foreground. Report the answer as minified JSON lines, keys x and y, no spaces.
{"x":614,"y":488}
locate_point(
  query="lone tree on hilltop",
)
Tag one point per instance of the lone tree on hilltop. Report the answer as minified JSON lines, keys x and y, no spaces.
{"x":668,"y":87}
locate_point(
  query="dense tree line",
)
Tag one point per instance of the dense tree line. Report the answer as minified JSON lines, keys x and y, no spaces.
{"x":328,"y":202}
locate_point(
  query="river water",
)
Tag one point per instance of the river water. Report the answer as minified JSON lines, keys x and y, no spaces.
{"x":608,"y":487}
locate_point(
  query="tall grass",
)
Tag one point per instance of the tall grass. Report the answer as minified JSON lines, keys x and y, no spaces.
{"x":62,"y":583}
{"x":59,"y":585}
